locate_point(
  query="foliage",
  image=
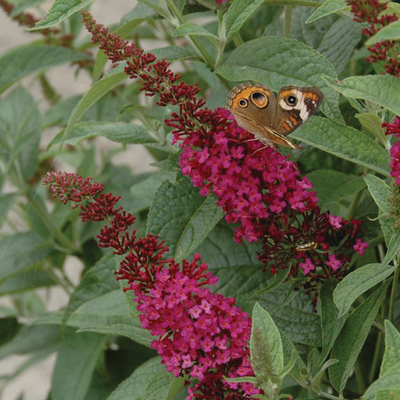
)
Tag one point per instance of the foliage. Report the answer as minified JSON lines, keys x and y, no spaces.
{"x":306,"y":242}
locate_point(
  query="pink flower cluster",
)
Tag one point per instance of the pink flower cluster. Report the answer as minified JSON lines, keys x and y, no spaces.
{"x":394,"y":129}
{"x":251,"y":182}
{"x":199,"y":333}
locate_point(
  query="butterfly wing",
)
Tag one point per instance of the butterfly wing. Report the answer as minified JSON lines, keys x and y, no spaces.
{"x":295,"y":105}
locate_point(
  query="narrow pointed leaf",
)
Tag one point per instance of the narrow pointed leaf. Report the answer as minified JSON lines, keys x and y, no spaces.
{"x":328,"y":7}
{"x":388,"y":32}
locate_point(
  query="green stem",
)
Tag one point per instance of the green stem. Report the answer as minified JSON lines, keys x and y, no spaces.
{"x":195,"y":42}
{"x":376,"y":357}
{"x":354,"y":205}
{"x":288,"y":21}
{"x":395,"y":286}
{"x":359,"y":377}
{"x":314,"y":4}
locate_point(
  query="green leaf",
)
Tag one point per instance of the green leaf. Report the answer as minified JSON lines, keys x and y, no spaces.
{"x":26,"y":281}
{"x":344,"y":142}
{"x":380,"y":192}
{"x":332,"y":186}
{"x":13,"y":261}
{"x":182,"y":217}
{"x":138,"y":335}
{"x":266,"y":352}
{"x":317,"y":380}
{"x":353,"y":335}
{"x":120,"y":132}
{"x":160,"y":7}
{"x":238,"y":13}
{"x":174,"y":53}
{"x":328,"y":7}
{"x":374,"y":124}
{"x":144,"y":191}
{"x":331,"y":324}
{"x":392,"y":348}
{"x":96,"y":92}
{"x":136,"y":384}
{"x":389,"y":382}
{"x":98,"y":280}
{"x":59,"y":11}
{"x":6,"y":202}
{"x":294,"y":315}
{"x":380,"y":89}
{"x":191,"y":29}
{"x":388,"y":32}
{"x":75,"y":365}
{"x":31,"y":338}
{"x":262,"y":59}
{"x":162,"y":386}
{"x":25,"y":60}
{"x":236,"y":265}
{"x":20,"y":131}
{"x":357,"y":283}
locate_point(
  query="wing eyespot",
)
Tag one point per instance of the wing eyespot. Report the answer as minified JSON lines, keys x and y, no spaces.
{"x":260,"y":100}
{"x":291,"y":100}
{"x":242,"y":103}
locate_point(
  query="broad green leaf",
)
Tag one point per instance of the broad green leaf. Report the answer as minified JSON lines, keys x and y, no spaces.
{"x":352,"y":337}
{"x":262,"y":60}
{"x":75,"y":365}
{"x":174,"y":53}
{"x":59,"y":11}
{"x":162,"y":386}
{"x":60,"y":112}
{"x":339,"y":41}
{"x":373,"y":123}
{"x":299,"y":367}
{"x":191,"y":29}
{"x":357,"y":283}
{"x":344,"y":142}
{"x":96,"y":92}
{"x":120,"y":132}
{"x":138,"y":335}
{"x":136,"y":384}
{"x":380,"y":89}
{"x":144,"y":191}
{"x":26,"y":281}
{"x":266,"y":352}
{"x":392,"y":348}
{"x":293,"y":314}
{"x":159,"y":6}
{"x":236,"y":265}
{"x":331,"y":324}
{"x":238,"y":13}
{"x":328,"y":7}
{"x":20,"y":131}
{"x":98,"y":280}
{"x":390,"y":358}
{"x":31,"y":338}
{"x":25,"y":60}
{"x":6,"y":202}
{"x":332,"y":186}
{"x":389,"y":383}
{"x":388,"y":32}
{"x":13,"y":261}
{"x":182,"y":217}
{"x":380,"y":192}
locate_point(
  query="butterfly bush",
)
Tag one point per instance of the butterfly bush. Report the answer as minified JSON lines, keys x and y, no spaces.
{"x":370,"y":12}
{"x":199,"y":334}
{"x":258,"y":188}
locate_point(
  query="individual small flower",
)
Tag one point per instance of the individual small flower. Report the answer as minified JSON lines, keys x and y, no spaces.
{"x":335,"y":221}
{"x":360,"y":246}
{"x":199,"y":334}
{"x":334,"y":263}
{"x":307,"y":266}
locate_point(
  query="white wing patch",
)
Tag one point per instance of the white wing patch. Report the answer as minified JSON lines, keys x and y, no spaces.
{"x":301,"y":105}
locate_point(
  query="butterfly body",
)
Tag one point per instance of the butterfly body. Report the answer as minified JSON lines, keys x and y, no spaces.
{"x":271,"y":118}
